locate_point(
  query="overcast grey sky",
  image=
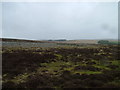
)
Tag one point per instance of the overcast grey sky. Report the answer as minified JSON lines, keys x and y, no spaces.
{"x":60,"y":20}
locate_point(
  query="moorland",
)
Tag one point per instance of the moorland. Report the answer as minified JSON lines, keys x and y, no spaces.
{"x":53,"y":64}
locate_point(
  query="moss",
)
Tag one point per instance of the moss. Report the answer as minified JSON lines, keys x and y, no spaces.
{"x":59,"y":57}
{"x":55,"y":67}
{"x":102,"y":67}
{"x":87,"y":72}
{"x":20,"y":78}
{"x":115,"y":62}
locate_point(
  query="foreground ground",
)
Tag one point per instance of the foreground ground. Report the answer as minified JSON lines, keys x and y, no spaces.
{"x":61,"y":67}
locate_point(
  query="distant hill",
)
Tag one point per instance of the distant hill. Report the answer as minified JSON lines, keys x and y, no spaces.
{"x":84,"y":41}
{"x":19,"y":40}
{"x":58,"y":40}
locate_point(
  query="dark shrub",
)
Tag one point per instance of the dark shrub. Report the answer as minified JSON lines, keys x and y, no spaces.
{"x":93,"y":83}
{"x":113,"y":66}
{"x":103,"y":42}
{"x":91,"y":68}
{"x":8,"y":84}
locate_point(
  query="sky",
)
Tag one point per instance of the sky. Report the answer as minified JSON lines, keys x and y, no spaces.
{"x":57,"y":20}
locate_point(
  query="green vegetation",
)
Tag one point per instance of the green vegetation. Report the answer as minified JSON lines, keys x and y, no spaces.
{"x":108,"y":42}
{"x":61,"y":67}
{"x":58,"y":40}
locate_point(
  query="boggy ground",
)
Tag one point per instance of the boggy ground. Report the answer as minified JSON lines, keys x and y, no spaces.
{"x":61,"y":67}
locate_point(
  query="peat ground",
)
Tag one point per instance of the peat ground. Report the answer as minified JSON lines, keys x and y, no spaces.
{"x":61,"y":67}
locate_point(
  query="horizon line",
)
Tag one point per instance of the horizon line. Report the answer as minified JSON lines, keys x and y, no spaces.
{"x":58,"y":39}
